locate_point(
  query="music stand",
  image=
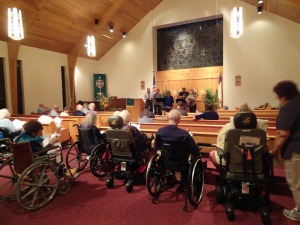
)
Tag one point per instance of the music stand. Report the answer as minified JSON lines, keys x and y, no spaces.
{"x":160,"y":99}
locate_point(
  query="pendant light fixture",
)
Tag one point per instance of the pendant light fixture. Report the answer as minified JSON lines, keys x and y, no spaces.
{"x":15,"y":25}
{"x":91,"y":47}
{"x":236,"y":29}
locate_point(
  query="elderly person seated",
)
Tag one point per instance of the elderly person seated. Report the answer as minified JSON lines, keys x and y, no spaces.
{"x":116,"y":113}
{"x":146,"y":106}
{"x":173,"y":133}
{"x":54,"y":111}
{"x":79,"y":111}
{"x":45,"y":117}
{"x":136,"y":134}
{"x":92,"y":109}
{"x":180,"y":108}
{"x":90,"y":122}
{"x":145,"y":117}
{"x":33,"y":134}
{"x":65,"y":112}
{"x":263,"y":124}
{"x":209,"y":114}
{"x":41,"y":105}
{"x":6,"y":123}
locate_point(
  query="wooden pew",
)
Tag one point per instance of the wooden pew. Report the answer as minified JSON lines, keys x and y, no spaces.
{"x":50,"y":128}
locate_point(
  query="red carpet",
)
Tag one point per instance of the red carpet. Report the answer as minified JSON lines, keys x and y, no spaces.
{"x":90,"y":202}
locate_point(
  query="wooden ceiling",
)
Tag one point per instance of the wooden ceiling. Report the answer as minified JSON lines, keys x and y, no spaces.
{"x":63,"y":25}
{"x":289,"y":9}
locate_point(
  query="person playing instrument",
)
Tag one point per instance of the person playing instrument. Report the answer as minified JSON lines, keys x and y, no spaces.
{"x":190,"y":101}
{"x":182,"y":95}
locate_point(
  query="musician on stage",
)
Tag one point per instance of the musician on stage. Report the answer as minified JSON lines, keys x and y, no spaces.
{"x":190,"y":101}
{"x":182,"y":95}
{"x":148,"y":97}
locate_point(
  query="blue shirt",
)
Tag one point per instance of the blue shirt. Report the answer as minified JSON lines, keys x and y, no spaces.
{"x":208,"y":116}
{"x":84,"y":110}
{"x":53,"y":113}
{"x":9,"y":125}
{"x":39,"y":110}
{"x":145,"y":119}
{"x":173,"y":133}
{"x":169,"y":101}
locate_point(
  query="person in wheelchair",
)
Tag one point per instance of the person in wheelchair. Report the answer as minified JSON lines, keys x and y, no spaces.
{"x":6,"y":123}
{"x":33,"y":134}
{"x":173,"y":133}
{"x":139,"y":137}
{"x":213,"y":156}
{"x":90,"y":122}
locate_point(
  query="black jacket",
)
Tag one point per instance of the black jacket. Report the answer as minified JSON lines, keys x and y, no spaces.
{"x":78,"y":113}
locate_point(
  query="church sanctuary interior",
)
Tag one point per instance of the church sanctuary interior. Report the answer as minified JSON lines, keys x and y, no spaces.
{"x":82,"y":50}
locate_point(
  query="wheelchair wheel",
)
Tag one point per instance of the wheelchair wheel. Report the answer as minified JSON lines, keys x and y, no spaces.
{"x":75,"y":158}
{"x":8,"y":180}
{"x":219,"y":191}
{"x":196,"y":182}
{"x":42,"y":188}
{"x":155,"y":175}
{"x":99,"y":166}
{"x":63,"y":187}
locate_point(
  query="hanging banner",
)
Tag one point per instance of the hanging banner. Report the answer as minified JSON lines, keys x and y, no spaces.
{"x":99,"y":85}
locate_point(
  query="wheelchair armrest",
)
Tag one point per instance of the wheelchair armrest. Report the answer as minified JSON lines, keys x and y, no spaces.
{"x":46,"y":150}
{"x":204,"y":144}
{"x":220,"y":152}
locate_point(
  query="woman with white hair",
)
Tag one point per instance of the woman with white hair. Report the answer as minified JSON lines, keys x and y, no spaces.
{"x":90,"y":122}
{"x":136,"y":134}
{"x":5,"y":122}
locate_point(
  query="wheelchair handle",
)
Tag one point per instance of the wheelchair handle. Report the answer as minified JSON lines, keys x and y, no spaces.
{"x":75,"y":125}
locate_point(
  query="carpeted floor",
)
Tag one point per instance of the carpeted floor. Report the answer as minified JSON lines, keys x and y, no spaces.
{"x":90,"y":202}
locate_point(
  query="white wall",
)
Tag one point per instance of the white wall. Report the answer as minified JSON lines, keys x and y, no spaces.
{"x":4,"y":54}
{"x":268,"y":52}
{"x":84,"y":70}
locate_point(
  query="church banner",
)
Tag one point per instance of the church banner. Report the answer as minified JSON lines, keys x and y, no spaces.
{"x":99,"y":85}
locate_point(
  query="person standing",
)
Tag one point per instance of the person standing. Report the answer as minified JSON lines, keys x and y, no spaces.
{"x":191,"y":102}
{"x":169,"y":102}
{"x":157,"y":105}
{"x":182,"y":95}
{"x":148,"y":97}
{"x":287,"y":139}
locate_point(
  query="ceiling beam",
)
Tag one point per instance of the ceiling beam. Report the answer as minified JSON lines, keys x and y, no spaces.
{"x":39,"y":4}
{"x":109,"y":13}
{"x":295,"y":3}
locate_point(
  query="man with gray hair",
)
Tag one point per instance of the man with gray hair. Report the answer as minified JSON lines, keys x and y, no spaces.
{"x":173,"y":133}
{"x":180,"y":108}
{"x":91,"y":109}
{"x":54,"y":112}
{"x":78,"y":111}
{"x":85,"y":108}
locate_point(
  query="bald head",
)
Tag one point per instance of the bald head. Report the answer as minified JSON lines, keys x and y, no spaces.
{"x":174,"y":117}
{"x":56,"y":108}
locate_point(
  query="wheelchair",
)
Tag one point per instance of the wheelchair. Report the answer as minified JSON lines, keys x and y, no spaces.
{"x":31,"y":179}
{"x":88,"y":149}
{"x":249,"y":168}
{"x":125,"y":154}
{"x":172,"y":159}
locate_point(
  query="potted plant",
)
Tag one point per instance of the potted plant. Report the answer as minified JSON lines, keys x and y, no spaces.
{"x":211,"y":97}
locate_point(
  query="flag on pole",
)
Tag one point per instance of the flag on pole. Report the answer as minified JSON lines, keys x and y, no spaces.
{"x":220,"y":91}
{"x":154,"y":84}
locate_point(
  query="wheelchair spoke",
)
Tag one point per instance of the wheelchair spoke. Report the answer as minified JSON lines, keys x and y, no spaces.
{"x":154,"y":180}
{"x":24,"y":196}
{"x":7,"y":177}
{"x":73,"y":154}
{"x":49,"y":186}
{"x":75,"y":163}
{"x":3,"y":186}
{"x":42,"y":174}
{"x":43,"y":194}
{"x":34,"y":198}
{"x":10,"y":190}
{"x":48,"y":178}
{"x":11,"y":169}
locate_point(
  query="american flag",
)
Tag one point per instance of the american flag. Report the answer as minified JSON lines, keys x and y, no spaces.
{"x":154,"y":85}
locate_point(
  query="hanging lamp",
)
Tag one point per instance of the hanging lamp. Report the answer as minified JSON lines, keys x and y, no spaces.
{"x":15,"y":25}
{"x":236,"y":29}
{"x":91,"y":47}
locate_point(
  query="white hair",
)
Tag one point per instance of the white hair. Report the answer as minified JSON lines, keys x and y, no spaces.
{"x":116,"y":113}
{"x":174,"y":115}
{"x":125,"y":115}
{"x":3,"y":113}
{"x":78,"y":107}
{"x":92,"y":105}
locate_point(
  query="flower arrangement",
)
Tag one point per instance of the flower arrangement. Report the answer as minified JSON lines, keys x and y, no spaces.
{"x":105,"y":103}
